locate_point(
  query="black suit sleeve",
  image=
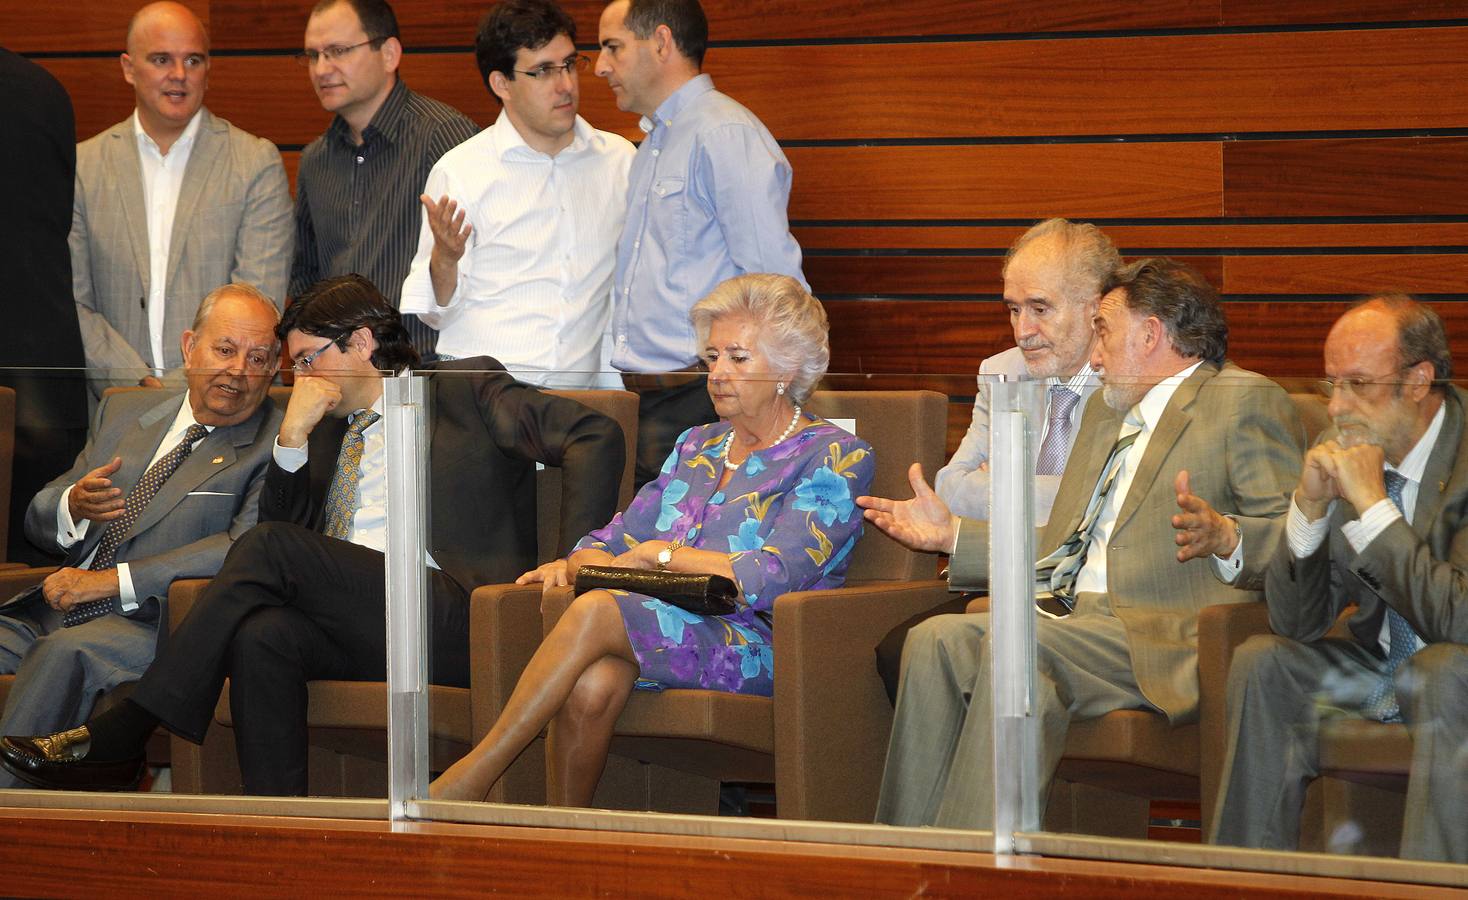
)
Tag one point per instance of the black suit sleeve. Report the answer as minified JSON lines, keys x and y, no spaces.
{"x":587,"y":446}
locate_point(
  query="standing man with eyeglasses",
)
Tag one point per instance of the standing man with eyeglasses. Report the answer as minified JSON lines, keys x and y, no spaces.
{"x":520,"y":223}
{"x":1378,"y":520}
{"x":708,"y":194}
{"x":170,"y":203}
{"x":358,"y":184}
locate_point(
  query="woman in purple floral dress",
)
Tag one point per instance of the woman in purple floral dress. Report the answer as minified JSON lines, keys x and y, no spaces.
{"x":766,"y":497}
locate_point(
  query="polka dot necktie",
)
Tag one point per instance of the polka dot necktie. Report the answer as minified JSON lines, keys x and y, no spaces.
{"x":341,"y":498}
{"x":137,"y":501}
{"x":1382,"y":704}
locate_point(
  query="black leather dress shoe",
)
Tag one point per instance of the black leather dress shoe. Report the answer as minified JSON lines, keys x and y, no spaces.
{"x":59,"y":761}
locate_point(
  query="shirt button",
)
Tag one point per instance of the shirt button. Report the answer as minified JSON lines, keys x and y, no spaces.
{"x":656,"y":152}
{"x":361,"y":159}
{"x":636,"y":245}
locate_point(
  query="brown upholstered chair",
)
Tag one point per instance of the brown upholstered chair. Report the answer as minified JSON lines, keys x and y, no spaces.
{"x":822,"y":738}
{"x":349,"y":718}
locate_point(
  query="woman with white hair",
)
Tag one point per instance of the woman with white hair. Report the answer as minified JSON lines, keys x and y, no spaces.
{"x":764,"y":497}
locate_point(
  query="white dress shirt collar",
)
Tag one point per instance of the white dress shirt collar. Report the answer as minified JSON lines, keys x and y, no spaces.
{"x":185,"y":141}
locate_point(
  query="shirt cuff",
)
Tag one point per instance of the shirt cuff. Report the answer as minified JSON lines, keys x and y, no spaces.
{"x":1305,"y":537}
{"x":68,"y":532}
{"x":125,"y":590}
{"x":289,"y":458}
{"x":1228,"y":569}
{"x":1372,"y":522}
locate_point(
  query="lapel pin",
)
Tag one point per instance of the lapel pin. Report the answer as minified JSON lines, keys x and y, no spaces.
{"x":218,"y":459}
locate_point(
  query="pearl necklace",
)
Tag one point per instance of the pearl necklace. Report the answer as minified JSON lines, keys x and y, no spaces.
{"x":729,"y":441}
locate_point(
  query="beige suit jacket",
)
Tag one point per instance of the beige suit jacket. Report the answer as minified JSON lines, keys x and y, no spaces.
{"x":1237,"y":434}
{"x":233,"y":223}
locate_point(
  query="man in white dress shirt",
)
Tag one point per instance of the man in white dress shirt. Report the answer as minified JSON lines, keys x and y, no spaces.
{"x":170,"y":203}
{"x":518,"y":245}
{"x":1053,"y":278}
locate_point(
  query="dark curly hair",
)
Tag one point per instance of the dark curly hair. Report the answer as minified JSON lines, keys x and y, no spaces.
{"x":336,"y":307}
{"x":514,"y":24}
{"x":1182,"y":299}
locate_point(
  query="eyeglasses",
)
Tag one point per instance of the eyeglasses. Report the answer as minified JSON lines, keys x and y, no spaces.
{"x":573,"y":66}
{"x":333,"y":53}
{"x":1352,"y":386}
{"x":303,"y":365}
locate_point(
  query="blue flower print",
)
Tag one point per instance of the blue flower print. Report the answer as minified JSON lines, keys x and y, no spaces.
{"x":671,"y":619}
{"x":747,"y":538}
{"x":756,"y":657}
{"x":826,"y":494}
{"x":670,"y":512}
{"x":754,"y":465}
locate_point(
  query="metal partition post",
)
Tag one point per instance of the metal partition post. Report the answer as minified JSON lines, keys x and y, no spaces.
{"x":407,"y":591}
{"x":1012,"y":610}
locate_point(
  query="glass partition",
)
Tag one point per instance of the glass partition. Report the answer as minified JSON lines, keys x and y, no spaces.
{"x":1076,"y":769}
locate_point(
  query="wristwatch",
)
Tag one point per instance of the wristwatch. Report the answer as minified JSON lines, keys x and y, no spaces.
{"x":665,"y":555}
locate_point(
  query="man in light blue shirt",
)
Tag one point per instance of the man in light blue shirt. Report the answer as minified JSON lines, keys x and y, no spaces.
{"x":707,"y":197}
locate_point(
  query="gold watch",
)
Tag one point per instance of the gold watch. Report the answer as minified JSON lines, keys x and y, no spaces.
{"x":665,"y":555}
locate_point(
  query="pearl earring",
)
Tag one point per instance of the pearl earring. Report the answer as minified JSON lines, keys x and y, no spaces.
{"x":780,"y":388}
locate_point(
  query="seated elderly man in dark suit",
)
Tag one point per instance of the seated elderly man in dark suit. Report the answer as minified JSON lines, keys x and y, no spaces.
{"x":1379,"y":519}
{"x":302,"y":595}
{"x":165,"y":484}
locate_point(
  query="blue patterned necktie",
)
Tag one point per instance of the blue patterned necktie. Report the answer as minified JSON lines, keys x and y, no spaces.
{"x":1056,"y":573}
{"x":342,"y":497}
{"x":1056,"y":446}
{"x":137,"y":501}
{"x":1382,"y":704}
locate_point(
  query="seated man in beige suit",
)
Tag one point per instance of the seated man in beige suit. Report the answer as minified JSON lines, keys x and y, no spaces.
{"x":1173,"y":426}
{"x":170,"y":203}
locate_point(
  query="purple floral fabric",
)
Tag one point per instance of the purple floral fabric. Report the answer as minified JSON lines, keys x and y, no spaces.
{"x":788,"y":520}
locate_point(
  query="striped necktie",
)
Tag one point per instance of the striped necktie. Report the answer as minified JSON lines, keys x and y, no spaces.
{"x":1056,"y":573}
{"x":1382,"y":704}
{"x":342,"y":497}
{"x":137,"y":501}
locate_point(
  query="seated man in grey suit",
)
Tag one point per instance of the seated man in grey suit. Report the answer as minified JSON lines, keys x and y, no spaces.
{"x":170,"y":203}
{"x":1053,"y":278}
{"x":164,"y":485}
{"x":1174,"y":426}
{"x":1379,"y":520}
{"x":302,"y":595}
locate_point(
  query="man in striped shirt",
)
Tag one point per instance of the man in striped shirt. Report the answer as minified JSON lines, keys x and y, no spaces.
{"x":358,"y":185}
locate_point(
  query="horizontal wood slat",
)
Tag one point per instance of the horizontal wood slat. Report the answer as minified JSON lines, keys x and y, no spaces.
{"x":1427,"y":273}
{"x":1134,"y":237}
{"x":1366,"y":177}
{"x":1192,"y":84}
{"x":84,"y":26}
{"x":1312,"y":12}
{"x":1278,"y":338}
{"x":1007,"y":181}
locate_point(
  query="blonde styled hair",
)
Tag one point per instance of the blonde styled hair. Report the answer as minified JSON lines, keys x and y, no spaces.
{"x":793,"y":332}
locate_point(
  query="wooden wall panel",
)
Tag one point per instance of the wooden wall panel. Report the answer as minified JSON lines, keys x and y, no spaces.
{"x":84,"y":26}
{"x":1330,"y":274}
{"x":1310,"y":12}
{"x":1007,"y":182}
{"x":1134,"y":238}
{"x":1361,"y":177}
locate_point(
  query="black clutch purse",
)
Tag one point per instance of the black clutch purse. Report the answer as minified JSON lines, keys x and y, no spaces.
{"x":705,"y":595}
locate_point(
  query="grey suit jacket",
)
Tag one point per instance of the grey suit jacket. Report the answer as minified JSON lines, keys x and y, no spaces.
{"x":962,"y":484}
{"x":1237,"y":434}
{"x":1420,"y":570}
{"x":209,"y":501}
{"x":232,"y":224}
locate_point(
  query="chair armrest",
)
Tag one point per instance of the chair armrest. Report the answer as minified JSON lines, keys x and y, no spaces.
{"x":182,"y":595}
{"x":832,"y":716}
{"x":1221,"y":629}
{"x":553,"y":605}
{"x":13,"y":581}
{"x":504,"y":630}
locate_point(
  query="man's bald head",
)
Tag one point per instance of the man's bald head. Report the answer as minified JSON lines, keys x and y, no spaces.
{"x":167,"y":63}
{"x":166,"y":14}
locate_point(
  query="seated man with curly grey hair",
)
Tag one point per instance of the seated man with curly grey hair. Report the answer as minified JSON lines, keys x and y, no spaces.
{"x":765,"y":497}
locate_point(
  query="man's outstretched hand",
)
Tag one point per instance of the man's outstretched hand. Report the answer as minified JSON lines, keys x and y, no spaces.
{"x":922,"y":523}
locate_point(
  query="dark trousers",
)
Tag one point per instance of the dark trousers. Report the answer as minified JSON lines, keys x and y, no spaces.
{"x":889,"y":650}
{"x":289,"y":605}
{"x":662,"y":415}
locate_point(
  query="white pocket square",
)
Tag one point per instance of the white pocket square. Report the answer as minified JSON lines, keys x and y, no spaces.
{"x":211,"y":493}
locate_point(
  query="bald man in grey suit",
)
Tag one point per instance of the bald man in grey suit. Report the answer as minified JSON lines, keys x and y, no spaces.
{"x":170,"y":203}
{"x":184,"y":531}
{"x":1130,"y":641}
